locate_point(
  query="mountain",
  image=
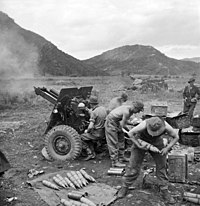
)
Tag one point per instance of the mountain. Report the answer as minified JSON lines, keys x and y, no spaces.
{"x":139,"y":59}
{"x":194,"y":59}
{"x":25,"y":53}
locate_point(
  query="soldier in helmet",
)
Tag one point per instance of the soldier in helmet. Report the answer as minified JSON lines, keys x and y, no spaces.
{"x":95,"y":131}
{"x":115,"y":121}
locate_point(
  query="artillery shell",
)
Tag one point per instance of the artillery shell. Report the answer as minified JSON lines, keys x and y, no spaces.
{"x":76,"y":203}
{"x":189,"y":194}
{"x":149,"y":146}
{"x":84,"y":181}
{"x":66,"y":202}
{"x":83,"y":204}
{"x":50,"y":185}
{"x":58,"y":182}
{"x":115,"y":172}
{"x":69,"y":182}
{"x":77,"y":178}
{"x":87,"y":201}
{"x":83,"y":194}
{"x":87,"y":176}
{"x":117,"y":169}
{"x":69,"y":175}
{"x":62,"y":180}
{"x":193,"y":199}
{"x":74,"y":196}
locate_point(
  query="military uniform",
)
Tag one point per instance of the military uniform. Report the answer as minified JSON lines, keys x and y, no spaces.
{"x":114,"y":137}
{"x":137,"y":156}
{"x":150,"y":131}
{"x":190,"y":93}
{"x":97,"y":116}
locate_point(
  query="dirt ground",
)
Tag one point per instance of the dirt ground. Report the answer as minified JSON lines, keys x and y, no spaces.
{"x":21,"y":140}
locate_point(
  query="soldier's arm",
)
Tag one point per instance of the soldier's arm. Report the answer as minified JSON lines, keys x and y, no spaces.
{"x":92,"y":121}
{"x":172,"y":133}
{"x":135,"y":130}
{"x":124,"y":120}
{"x":184,"y":92}
{"x":198,"y":93}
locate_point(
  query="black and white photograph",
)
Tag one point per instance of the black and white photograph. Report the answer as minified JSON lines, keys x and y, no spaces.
{"x":99,"y":102}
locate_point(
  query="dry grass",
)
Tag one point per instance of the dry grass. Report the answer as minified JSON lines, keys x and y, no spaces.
{"x":22,"y":92}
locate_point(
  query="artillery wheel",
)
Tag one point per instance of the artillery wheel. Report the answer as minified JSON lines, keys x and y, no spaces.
{"x":63,"y":143}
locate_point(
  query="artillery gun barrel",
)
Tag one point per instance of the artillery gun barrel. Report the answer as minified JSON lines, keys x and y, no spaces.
{"x":54,"y":93}
{"x":43,"y":92}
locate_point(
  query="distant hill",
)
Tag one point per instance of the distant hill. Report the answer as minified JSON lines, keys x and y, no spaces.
{"x":194,"y":59}
{"x":25,"y":53}
{"x":139,"y":59}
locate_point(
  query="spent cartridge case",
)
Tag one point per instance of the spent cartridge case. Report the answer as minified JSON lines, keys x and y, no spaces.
{"x":115,"y":172}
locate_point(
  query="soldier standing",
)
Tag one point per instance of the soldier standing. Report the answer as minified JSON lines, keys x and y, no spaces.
{"x":191,"y":94}
{"x":115,"y":121}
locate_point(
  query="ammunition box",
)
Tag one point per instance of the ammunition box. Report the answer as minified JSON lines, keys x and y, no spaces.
{"x":159,"y":109}
{"x":177,"y":167}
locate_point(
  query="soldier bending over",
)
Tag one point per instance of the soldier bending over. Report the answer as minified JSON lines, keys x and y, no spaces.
{"x":115,"y":121}
{"x":151,"y":131}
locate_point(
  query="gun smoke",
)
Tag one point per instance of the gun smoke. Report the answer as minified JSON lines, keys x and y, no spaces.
{"x":18,"y":62}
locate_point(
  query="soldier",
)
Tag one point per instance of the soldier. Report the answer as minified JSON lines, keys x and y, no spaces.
{"x":191,"y":94}
{"x":117,"y":101}
{"x":150,"y":130}
{"x":115,"y":121}
{"x":95,"y":131}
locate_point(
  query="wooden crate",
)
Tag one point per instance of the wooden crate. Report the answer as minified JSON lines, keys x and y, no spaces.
{"x":159,"y":109}
{"x":189,"y":137}
{"x":177,"y":167}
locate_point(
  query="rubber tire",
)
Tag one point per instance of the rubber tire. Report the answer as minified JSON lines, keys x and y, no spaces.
{"x":73,"y":137}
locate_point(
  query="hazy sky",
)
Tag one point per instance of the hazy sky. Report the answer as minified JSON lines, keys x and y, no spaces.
{"x":86,"y":28}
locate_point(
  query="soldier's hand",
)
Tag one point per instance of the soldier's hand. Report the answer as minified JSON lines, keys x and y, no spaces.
{"x":194,"y":99}
{"x":164,"y":151}
{"x":86,"y":131}
{"x":143,"y":147}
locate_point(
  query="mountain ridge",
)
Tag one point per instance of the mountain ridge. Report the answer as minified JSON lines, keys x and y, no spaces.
{"x":27,"y":53}
{"x":44,"y":57}
{"x":141,"y":59}
{"x":193,"y":59}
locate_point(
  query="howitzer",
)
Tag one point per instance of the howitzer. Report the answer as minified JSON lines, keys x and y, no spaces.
{"x":67,"y":120}
{"x":50,"y":95}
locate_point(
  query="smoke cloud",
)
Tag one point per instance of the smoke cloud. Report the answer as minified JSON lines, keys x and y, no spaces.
{"x":18,"y":62}
{"x":18,"y":59}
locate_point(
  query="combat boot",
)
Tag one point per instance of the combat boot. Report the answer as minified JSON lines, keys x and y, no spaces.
{"x":90,"y":155}
{"x":167,"y":196}
{"x":122,"y":192}
{"x":118,"y":164}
